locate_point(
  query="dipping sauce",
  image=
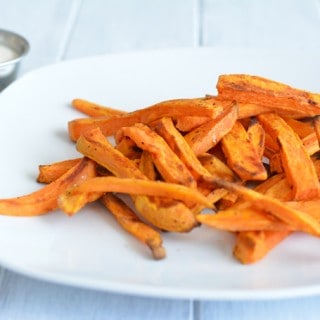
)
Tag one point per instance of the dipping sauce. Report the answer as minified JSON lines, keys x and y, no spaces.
{"x":7,"y":54}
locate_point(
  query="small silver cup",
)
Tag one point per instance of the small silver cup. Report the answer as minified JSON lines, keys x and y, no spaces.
{"x":13,"y":48}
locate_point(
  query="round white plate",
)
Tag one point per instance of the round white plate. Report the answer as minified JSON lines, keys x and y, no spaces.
{"x":90,"y":249}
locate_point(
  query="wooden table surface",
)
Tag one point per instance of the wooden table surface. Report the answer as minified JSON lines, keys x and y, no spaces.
{"x":61,"y":30}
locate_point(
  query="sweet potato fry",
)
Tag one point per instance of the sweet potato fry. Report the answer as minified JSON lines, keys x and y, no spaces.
{"x":46,"y":198}
{"x":92,"y":109}
{"x":316,"y":123}
{"x":311,"y":143}
{"x":279,"y":97}
{"x":132,"y":224}
{"x":256,"y":135}
{"x":164,"y":214}
{"x":294,"y":157}
{"x":181,"y":107}
{"x":242,"y":217}
{"x":50,"y":172}
{"x":206,"y":136}
{"x":94,"y":145}
{"x":128,"y":148}
{"x":248,"y":110}
{"x":129,"y":186}
{"x":271,"y":146}
{"x":166,"y":161}
{"x":180,"y":147}
{"x":279,"y":190}
{"x":252,"y":246}
{"x":301,"y":128}
{"x":245,"y":161}
{"x":216,"y":167}
{"x":298,"y":220}
{"x":147,"y":167}
{"x":275,"y":164}
{"x":188,"y":123}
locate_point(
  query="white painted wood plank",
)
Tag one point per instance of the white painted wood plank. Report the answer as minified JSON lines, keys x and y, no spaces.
{"x":262,"y":24}
{"x":27,"y":299}
{"x":293,"y":309}
{"x":125,"y":25}
{"x":42,"y":23}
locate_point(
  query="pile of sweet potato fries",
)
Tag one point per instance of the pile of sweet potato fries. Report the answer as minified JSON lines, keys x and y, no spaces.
{"x":244,"y":161}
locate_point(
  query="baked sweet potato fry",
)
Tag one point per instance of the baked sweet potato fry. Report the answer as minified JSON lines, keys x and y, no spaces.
{"x":46,"y":198}
{"x":256,"y":135}
{"x":248,"y":110}
{"x":132,"y":224}
{"x":294,"y":157}
{"x":216,"y":167}
{"x":188,"y":123}
{"x":316,"y":123}
{"x":297,"y":219}
{"x":50,"y":172}
{"x":242,"y":217}
{"x":252,"y":246}
{"x":279,"y":97}
{"x":92,"y":109}
{"x":302,"y":128}
{"x":180,"y":147}
{"x":245,"y":161}
{"x":94,"y":145}
{"x":147,"y":167}
{"x":166,"y":161}
{"x":181,"y":107}
{"x":311,"y":143}
{"x":206,"y":136}
{"x":164,"y":214}
{"x":128,"y":148}
{"x":129,"y":186}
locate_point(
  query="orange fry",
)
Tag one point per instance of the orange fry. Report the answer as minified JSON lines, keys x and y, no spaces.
{"x":216,"y":167}
{"x":92,"y":109}
{"x":210,"y":133}
{"x":132,"y":187}
{"x":294,"y":157}
{"x":146,"y":165}
{"x":248,"y":110}
{"x":316,"y":122}
{"x":46,"y":198}
{"x":171,"y":108}
{"x":277,"y":96}
{"x":256,"y":135}
{"x":299,"y":220}
{"x":301,"y":128}
{"x":242,"y":218}
{"x":181,"y":148}
{"x":166,"y":161}
{"x":94,"y":145}
{"x":50,"y":172}
{"x":166,"y":214}
{"x":245,"y":161}
{"x":132,"y":224}
{"x":251,"y":246}
{"x":188,"y":123}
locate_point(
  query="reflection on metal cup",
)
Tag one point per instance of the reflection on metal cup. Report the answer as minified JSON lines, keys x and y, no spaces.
{"x":13,"y":48}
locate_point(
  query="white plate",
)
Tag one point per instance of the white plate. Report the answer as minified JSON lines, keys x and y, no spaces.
{"x":90,"y":250}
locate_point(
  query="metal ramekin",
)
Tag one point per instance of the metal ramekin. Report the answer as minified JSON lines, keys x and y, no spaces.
{"x":9,"y":69}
